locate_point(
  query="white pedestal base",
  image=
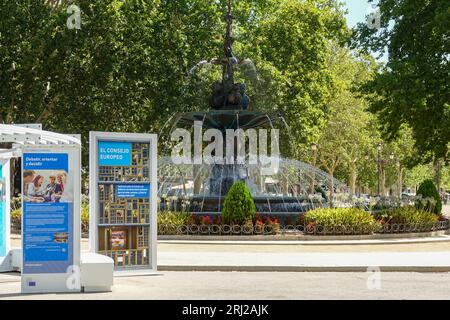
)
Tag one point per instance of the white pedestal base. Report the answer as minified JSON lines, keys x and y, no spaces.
{"x":97,"y":272}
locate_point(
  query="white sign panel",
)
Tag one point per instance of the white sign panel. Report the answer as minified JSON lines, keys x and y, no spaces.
{"x":51,"y":219}
{"x":5,"y":264}
{"x":122,"y":191}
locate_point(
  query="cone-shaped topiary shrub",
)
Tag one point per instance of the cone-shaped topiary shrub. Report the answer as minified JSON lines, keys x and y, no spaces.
{"x":238,"y":206}
{"x":427,"y":189}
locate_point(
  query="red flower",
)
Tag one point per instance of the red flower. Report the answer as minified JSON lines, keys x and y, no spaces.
{"x":206,"y":220}
{"x":218,"y":220}
{"x":259,"y":222}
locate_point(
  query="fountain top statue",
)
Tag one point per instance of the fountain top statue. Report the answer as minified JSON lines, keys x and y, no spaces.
{"x":228,"y":95}
{"x":229,"y":104}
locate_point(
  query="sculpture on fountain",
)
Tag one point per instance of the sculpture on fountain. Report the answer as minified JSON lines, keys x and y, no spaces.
{"x":228,"y":95}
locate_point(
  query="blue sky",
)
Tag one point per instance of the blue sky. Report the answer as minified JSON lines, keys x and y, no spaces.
{"x":357,"y":11}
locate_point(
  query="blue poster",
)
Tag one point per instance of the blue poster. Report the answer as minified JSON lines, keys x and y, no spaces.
{"x":2,"y":216}
{"x":45,"y":161}
{"x":137,"y":190}
{"x":47,"y":213}
{"x":114,"y":153}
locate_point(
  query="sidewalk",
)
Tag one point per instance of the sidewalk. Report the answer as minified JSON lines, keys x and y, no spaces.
{"x":312,"y":262}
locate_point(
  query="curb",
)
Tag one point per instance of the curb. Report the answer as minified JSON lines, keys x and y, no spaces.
{"x":436,"y":269}
{"x":424,"y":237}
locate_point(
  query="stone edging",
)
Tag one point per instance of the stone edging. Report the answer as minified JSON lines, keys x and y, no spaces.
{"x":310,"y":238}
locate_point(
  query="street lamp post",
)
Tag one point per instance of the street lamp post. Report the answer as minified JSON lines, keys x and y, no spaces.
{"x":313,"y":177}
{"x":391,"y":158}
{"x":399,"y":179}
{"x":379,"y":167}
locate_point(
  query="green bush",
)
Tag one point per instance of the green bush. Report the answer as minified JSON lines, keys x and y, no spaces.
{"x":427,"y":189}
{"x":238,"y":206}
{"x":347,"y":217}
{"x":85,"y":213}
{"x":16,"y":214}
{"x":173,"y":218}
{"x":407,"y":215}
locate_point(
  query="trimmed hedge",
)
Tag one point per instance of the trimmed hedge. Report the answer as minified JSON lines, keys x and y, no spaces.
{"x":238,"y":207}
{"x":348,"y":217}
{"x":173,"y":218}
{"x":407,"y":215}
{"x":427,"y":189}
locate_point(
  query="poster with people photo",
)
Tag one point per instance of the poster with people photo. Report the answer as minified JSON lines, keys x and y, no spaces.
{"x":46,"y":186}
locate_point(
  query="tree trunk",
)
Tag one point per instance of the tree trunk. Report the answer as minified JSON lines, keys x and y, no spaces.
{"x":331,"y":187}
{"x":197,"y":179}
{"x":382,"y":181}
{"x":400,"y":182}
{"x":312,"y":183}
{"x":437,"y":173}
{"x":352,"y":178}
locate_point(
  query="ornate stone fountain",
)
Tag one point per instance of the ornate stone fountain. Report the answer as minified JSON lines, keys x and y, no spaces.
{"x":202,"y":188}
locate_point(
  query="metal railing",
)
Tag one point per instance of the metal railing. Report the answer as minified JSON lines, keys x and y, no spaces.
{"x":310,"y":229}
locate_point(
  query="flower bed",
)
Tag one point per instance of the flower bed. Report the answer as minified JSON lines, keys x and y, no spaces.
{"x":338,"y":221}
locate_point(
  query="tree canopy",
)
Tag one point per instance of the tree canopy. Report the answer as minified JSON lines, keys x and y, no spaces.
{"x":127,"y":68}
{"x":413,"y":88}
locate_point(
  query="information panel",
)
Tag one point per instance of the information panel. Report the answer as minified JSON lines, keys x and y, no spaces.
{"x":131,"y":191}
{"x":50,"y":218}
{"x":5,"y":260}
{"x":123,"y":173}
{"x":2,"y":214}
{"x":114,"y":153}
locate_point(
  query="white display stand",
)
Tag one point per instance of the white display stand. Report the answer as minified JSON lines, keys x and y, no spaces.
{"x":91,"y":272}
{"x":97,"y":272}
{"x":114,"y":139}
{"x":5,"y":260}
{"x":51,"y":277}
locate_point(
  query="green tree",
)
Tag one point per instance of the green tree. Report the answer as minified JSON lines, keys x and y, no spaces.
{"x":413,"y":88}
{"x":291,"y":45}
{"x":427,"y":189}
{"x":127,"y":68}
{"x":238,"y":206}
{"x":417,"y":174}
{"x":350,"y":132}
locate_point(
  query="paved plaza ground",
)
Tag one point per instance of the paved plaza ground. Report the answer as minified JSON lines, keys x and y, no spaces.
{"x":257,"y":285}
{"x":208,"y":284}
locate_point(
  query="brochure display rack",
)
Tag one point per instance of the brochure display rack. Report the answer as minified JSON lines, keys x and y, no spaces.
{"x":123,"y":198}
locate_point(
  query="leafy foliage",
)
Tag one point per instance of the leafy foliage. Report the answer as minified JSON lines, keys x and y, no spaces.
{"x":350,"y":132}
{"x":173,"y":218}
{"x":406,"y":215}
{"x":348,"y":217}
{"x":238,"y":206}
{"x":127,"y":68}
{"x":413,"y":88}
{"x":85,"y":214}
{"x":427,"y":189}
